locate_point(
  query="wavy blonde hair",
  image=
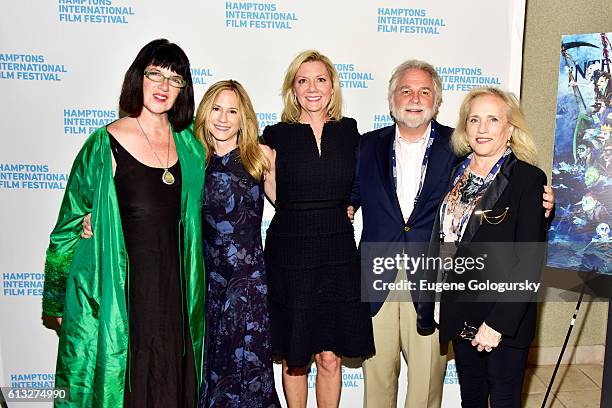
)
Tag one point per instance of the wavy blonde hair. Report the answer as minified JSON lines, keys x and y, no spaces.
{"x":253,"y":159}
{"x":521,"y":141}
{"x":291,"y":107}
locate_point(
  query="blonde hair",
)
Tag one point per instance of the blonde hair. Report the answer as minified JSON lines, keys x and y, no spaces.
{"x":292,"y":109}
{"x":423,"y":66}
{"x":521,"y":141}
{"x":253,"y":159}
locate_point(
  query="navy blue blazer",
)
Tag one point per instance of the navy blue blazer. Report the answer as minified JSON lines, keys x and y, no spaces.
{"x":374,"y":192}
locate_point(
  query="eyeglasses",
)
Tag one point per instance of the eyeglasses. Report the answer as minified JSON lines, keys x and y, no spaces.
{"x":175,"y":81}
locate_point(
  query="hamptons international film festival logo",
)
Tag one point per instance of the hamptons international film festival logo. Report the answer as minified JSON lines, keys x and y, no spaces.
{"x":258,"y":15}
{"x":462,"y":79}
{"x":351,"y":377}
{"x":451,"y":374}
{"x":266,"y":119}
{"x":265,"y":224}
{"x":32,"y":380}
{"x":22,"y":284}
{"x":201,"y":75}
{"x":382,"y":120}
{"x":352,"y":77}
{"x":26,"y":176}
{"x":30,"y":67}
{"x":93,"y":12}
{"x":408,"y":21}
{"x":80,"y":121}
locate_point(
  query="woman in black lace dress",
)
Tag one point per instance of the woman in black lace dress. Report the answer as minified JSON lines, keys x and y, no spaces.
{"x":311,"y":257}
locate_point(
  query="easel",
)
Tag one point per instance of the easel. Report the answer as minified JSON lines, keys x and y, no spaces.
{"x":606,"y":386}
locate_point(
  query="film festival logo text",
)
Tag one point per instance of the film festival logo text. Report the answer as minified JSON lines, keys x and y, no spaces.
{"x":93,"y":12}
{"x":252,"y":15}
{"x":351,"y":378}
{"x":451,"y":376}
{"x":32,"y":380}
{"x":382,"y":120}
{"x":266,"y":119}
{"x":23,"y":284}
{"x":351,"y":77}
{"x":30,"y":177}
{"x":86,"y":121}
{"x":408,"y":21}
{"x":29,"y":67}
{"x":464,"y":79}
{"x":201,"y":76}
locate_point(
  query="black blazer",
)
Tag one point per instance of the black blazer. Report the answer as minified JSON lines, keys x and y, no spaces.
{"x":374,"y":192}
{"x":518,"y":186}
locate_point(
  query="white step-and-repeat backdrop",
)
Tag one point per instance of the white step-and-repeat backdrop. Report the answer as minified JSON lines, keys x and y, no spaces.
{"x":61,"y":68}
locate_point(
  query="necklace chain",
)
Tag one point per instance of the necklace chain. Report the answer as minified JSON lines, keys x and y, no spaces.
{"x":167,"y":176}
{"x":151,"y":146}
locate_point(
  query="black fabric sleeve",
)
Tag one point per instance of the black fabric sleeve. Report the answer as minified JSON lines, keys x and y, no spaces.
{"x":505,"y":317}
{"x":269,"y":137}
{"x":355,"y":190}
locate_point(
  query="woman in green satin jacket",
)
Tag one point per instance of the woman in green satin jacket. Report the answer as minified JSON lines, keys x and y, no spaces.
{"x":86,"y":280}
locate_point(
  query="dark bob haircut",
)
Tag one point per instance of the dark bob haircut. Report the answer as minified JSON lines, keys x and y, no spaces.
{"x":164,"y":54}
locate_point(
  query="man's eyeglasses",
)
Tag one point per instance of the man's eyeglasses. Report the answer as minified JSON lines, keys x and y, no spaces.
{"x":156,"y":76}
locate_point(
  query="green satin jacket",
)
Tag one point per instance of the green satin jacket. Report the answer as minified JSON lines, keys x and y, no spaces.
{"x":85,"y":278}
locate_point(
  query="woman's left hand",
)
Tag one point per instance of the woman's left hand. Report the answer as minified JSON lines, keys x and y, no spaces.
{"x":549,"y":200}
{"x":487,"y":338}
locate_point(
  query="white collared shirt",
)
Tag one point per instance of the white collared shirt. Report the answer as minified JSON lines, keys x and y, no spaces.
{"x":408,"y":161}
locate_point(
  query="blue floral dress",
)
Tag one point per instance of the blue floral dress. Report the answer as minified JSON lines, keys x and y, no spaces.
{"x":238,"y":361}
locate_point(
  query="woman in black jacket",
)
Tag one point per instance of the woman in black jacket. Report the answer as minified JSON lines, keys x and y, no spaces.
{"x":492,"y":214}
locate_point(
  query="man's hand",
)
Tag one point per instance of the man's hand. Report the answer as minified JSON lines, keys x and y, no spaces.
{"x":52,"y":322}
{"x":549,"y":200}
{"x":86,"y":224}
{"x":350,"y":212}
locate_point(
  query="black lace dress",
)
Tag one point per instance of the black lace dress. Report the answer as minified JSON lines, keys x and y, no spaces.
{"x":311,"y":256}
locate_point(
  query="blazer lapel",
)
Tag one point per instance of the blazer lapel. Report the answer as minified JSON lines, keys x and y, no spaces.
{"x":488,"y":201}
{"x":385,"y":167}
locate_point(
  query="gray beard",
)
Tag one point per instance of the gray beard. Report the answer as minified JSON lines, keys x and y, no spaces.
{"x":413,"y":124}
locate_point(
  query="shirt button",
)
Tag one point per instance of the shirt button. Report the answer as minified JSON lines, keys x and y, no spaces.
{"x":406,"y":228}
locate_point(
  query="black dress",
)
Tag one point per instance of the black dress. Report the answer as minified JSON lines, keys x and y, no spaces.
{"x":311,"y":257}
{"x":160,"y":369}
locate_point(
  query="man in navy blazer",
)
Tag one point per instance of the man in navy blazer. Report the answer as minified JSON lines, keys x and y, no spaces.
{"x":402,"y":172}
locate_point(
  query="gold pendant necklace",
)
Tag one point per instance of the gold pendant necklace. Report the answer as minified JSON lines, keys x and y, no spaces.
{"x":167,"y":177}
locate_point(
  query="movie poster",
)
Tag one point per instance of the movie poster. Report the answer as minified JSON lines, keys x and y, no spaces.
{"x":579,"y":237}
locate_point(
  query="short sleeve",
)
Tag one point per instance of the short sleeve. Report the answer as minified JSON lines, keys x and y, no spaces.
{"x":350,"y":128}
{"x":269,"y":137}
